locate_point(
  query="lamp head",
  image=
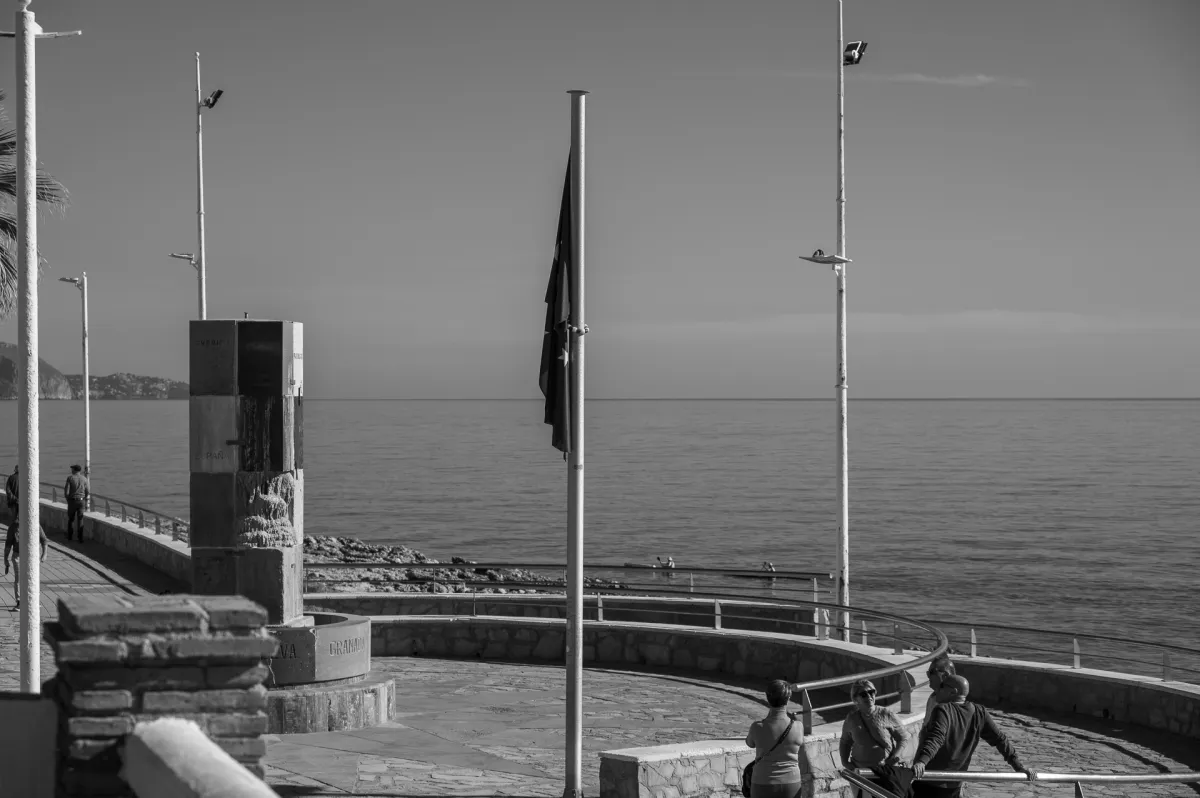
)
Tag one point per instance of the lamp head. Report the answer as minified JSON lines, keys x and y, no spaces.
{"x":854,"y":53}
{"x":71,"y":280}
{"x":183,"y":256}
{"x":212,"y":98}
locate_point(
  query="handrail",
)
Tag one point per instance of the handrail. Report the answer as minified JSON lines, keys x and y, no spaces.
{"x":859,"y":778}
{"x":176,"y":529}
{"x":1059,"y":633}
{"x":530,"y":566}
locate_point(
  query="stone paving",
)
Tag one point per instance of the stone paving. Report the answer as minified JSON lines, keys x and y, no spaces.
{"x":466,"y":727}
{"x":69,"y":569}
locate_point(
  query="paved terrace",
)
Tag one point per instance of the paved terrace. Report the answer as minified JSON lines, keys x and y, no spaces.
{"x":466,"y":727}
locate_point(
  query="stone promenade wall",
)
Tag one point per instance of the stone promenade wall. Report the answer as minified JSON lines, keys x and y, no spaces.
{"x":1168,"y":706}
{"x":713,"y":768}
{"x":160,"y":552}
{"x":124,"y":660}
{"x":725,"y":651}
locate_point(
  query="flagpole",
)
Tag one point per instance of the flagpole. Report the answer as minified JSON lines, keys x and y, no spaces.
{"x":574,"y":652}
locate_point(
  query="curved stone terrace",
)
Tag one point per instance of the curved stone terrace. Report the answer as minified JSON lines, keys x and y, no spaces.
{"x":477,"y":727}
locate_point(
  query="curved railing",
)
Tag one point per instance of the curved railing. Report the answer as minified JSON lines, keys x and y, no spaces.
{"x":145,"y":518}
{"x":1167,"y":661}
{"x":689,"y":606}
{"x":859,"y":778}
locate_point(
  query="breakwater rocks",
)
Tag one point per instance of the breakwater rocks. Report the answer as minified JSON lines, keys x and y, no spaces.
{"x":399,"y":569}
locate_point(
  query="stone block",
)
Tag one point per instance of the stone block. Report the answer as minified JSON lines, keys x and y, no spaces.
{"x":214,"y":510}
{"x":223,"y":649}
{"x":86,"y":616}
{"x":242,"y":747}
{"x":212,"y":434}
{"x":234,"y":676}
{"x":240,"y":725}
{"x":609,"y":649}
{"x":232,"y":612}
{"x":90,"y":749}
{"x":90,"y":651}
{"x":98,"y":702}
{"x":212,"y":369}
{"x":270,"y":576}
{"x":113,"y":726}
{"x":140,"y":679}
{"x":552,"y":646}
{"x":205,"y":701}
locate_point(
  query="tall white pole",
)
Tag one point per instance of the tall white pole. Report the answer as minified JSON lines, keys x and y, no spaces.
{"x":574,"y":785}
{"x":843,"y":466}
{"x":27,"y":258}
{"x":200,"y":274}
{"x":87,"y":387}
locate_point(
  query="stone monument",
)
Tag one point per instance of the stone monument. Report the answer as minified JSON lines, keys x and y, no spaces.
{"x":247,"y":530}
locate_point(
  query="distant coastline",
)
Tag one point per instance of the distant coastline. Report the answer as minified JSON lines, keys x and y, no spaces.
{"x":53,"y":384}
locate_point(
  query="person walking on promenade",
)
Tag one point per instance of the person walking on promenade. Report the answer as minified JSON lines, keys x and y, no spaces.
{"x":950,"y":739}
{"x":872,"y":736}
{"x":12,"y":492}
{"x":12,"y":546}
{"x":776,"y":740}
{"x":938,"y":669}
{"x":78,"y":492}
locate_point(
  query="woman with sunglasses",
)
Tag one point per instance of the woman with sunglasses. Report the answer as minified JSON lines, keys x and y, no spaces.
{"x":872,"y":735}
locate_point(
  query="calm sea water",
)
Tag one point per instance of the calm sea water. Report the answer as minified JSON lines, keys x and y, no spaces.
{"x":1062,"y":514}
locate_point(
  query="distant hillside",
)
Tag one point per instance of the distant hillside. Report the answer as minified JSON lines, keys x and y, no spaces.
{"x":56,"y":385}
{"x":123,"y":385}
{"x":51,"y":382}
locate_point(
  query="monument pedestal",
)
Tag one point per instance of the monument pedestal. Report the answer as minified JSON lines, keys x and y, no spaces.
{"x":247,"y":502}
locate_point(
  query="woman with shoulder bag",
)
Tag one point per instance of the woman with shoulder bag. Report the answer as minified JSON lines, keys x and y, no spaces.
{"x":872,"y":736}
{"x":776,"y":740}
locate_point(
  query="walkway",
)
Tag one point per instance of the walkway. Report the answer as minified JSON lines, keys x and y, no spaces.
{"x":70,"y":569}
{"x":470,"y":728}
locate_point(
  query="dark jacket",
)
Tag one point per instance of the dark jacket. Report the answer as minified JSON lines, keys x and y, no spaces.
{"x":954,"y":731}
{"x":77,"y":488}
{"x":12,"y":489}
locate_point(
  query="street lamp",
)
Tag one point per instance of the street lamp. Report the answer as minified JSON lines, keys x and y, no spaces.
{"x":81,"y":283}
{"x":191,"y":259}
{"x":198,"y":261}
{"x":848,"y":55}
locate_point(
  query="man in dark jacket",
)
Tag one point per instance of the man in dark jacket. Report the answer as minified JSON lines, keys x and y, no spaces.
{"x":950,"y":739}
{"x":78,"y":492}
{"x":12,"y":492}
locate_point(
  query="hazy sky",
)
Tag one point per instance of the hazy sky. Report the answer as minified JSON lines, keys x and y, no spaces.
{"x":1022,"y":207}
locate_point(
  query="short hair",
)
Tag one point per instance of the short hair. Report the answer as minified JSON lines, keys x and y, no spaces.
{"x":779,"y":693}
{"x":957,"y":683}
{"x":76,"y":468}
{"x":942,"y":664}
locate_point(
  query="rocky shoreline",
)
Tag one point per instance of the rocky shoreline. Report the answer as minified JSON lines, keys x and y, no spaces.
{"x":399,"y":569}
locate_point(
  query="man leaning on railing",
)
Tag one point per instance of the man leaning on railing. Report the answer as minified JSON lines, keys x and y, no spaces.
{"x":950,"y":739}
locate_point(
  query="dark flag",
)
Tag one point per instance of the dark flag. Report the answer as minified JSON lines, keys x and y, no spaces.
{"x":555,"y":378}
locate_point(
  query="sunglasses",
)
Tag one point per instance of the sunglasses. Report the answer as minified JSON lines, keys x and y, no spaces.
{"x":865,"y":694}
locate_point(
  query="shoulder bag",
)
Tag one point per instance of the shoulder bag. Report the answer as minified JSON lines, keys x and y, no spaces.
{"x":748,"y":773}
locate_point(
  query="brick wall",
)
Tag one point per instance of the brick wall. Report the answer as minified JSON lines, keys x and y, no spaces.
{"x":122,"y":660}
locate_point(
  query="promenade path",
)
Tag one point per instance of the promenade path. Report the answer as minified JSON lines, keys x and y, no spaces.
{"x":471,"y":728}
{"x":70,"y":569}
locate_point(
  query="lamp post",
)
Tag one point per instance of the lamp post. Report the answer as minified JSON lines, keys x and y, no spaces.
{"x":848,"y":55}
{"x":26,"y":34}
{"x":198,"y":262}
{"x":81,"y":283}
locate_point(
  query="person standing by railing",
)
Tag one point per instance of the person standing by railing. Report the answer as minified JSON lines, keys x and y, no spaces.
{"x":950,"y":740}
{"x":12,"y":492}
{"x":872,"y":736}
{"x":776,"y":740}
{"x":77,"y":492}
{"x":12,"y":547}
{"x":940,"y":668}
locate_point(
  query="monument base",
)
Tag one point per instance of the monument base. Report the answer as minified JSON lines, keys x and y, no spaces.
{"x":320,"y":647}
{"x":362,"y":703}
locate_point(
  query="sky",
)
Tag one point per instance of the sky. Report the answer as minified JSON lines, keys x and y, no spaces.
{"x":1023,"y":191}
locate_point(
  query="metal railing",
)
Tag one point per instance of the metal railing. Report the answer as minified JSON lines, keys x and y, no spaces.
{"x":160,"y":523}
{"x":1167,"y":661}
{"x":859,"y":778}
{"x":709,"y":599}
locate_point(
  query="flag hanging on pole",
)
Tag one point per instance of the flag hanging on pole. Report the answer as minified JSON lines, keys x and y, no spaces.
{"x":554,"y":378}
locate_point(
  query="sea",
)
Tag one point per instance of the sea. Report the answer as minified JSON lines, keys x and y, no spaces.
{"x":1072,"y":515}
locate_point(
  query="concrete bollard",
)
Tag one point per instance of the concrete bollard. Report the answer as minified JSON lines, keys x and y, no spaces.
{"x":1075,"y":650}
{"x":806,"y":711}
{"x":898,"y":647}
{"x":906,"y":687}
{"x":864,"y":632}
{"x":172,"y":757}
{"x":716,"y":614}
{"x":973,"y":649}
{"x":1167,"y":666}
{"x":599,"y":607}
